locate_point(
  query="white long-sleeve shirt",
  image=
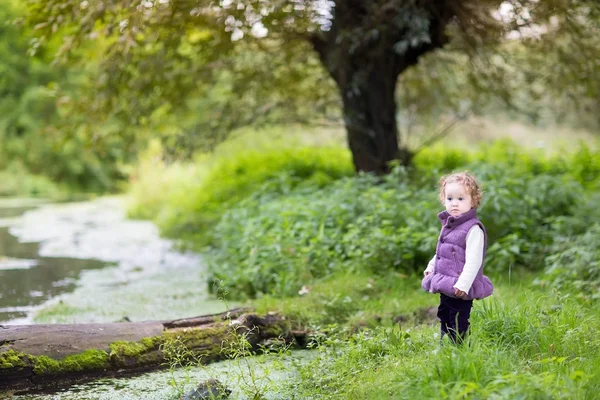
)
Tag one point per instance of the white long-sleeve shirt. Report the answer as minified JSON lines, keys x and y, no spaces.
{"x":473,"y":259}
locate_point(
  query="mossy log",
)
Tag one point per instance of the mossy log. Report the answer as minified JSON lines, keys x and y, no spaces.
{"x":42,"y":357}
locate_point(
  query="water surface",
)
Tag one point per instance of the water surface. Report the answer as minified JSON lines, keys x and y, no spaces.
{"x":27,"y":279}
{"x":86,"y":262}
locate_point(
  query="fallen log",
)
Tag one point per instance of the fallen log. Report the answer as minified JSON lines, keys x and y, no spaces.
{"x":47,"y":357}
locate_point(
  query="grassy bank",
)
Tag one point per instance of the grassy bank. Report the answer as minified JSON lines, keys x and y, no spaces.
{"x":295,"y":231}
{"x":525,"y":343}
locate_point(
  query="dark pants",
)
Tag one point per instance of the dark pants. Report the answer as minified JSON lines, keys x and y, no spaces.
{"x":454,"y":317}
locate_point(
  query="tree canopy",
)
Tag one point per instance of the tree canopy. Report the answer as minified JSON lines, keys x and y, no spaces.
{"x":251,"y":61}
{"x":42,"y":130}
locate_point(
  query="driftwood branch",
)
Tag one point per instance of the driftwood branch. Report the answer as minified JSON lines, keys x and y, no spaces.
{"x":43,"y":357}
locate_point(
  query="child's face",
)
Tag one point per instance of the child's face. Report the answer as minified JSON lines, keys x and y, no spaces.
{"x":457,"y":199}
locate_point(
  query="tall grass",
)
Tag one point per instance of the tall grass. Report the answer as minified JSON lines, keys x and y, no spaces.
{"x":186,"y":200}
{"x":528,"y":345}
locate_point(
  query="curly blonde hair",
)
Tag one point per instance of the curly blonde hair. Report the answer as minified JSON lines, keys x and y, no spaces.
{"x":468,"y":181}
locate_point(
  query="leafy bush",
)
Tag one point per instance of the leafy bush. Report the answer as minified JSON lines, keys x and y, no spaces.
{"x":518,"y":212}
{"x":582,"y":165}
{"x":575,"y":263}
{"x":44,"y":124}
{"x":273,"y":243}
{"x":189,"y":208}
{"x":279,"y":219}
{"x":16,"y":181}
{"x":585,"y":167}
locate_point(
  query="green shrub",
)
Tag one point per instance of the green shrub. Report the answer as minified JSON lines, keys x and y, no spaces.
{"x":275,"y":243}
{"x":518,"y":212}
{"x":16,"y":181}
{"x":193,"y":213}
{"x":582,"y":165}
{"x":585,"y":167}
{"x":280,"y":219}
{"x":574,"y":264}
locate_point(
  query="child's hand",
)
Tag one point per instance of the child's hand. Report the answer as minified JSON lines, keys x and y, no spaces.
{"x":459,"y":293}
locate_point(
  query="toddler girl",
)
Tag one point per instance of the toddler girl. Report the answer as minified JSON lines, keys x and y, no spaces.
{"x":456,"y":269}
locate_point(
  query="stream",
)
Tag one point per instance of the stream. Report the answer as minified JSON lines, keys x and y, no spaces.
{"x":85,"y":262}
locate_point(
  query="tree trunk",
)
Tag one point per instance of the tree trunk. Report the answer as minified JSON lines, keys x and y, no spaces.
{"x":43,"y":357}
{"x":369,"y":109}
{"x":367,"y":47}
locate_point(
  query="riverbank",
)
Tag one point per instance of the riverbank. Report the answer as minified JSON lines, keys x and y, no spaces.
{"x":526,"y":341}
{"x":344,"y":257}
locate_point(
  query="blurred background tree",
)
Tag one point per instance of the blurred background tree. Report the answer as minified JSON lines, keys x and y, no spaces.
{"x":42,"y":128}
{"x":191,"y":72}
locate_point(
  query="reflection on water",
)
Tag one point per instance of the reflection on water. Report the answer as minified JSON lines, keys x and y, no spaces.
{"x":26,"y":279}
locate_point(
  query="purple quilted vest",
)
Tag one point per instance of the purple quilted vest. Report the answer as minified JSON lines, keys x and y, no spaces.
{"x":450,"y":257}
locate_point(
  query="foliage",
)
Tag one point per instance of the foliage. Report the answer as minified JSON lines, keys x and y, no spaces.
{"x":194,"y":209}
{"x":40,"y":124}
{"x":581,"y":165}
{"x":276,"y":244}
{"x":179,"y":356}
{"x":159,"y":61}
{"x":518,"y":212}
{"x":16,"y":181}
{"x":273,"y":233}
{"x":574,"y":263}
{"x":184,"y":81}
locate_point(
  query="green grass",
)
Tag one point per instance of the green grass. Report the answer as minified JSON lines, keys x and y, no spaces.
{"x":526,"y":343}
{"x":353,"y":299}
{"x":344,"y":261}
{"x":187,"y":199}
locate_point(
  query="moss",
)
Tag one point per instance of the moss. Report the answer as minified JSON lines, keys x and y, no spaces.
{"x":127,"y":349}
{"x":205,"y":342}
{"x":197,"y":337}
{"x":12,"y":359}
{"x":89,"y":360}
{"x":124,"y":353}
{"x":45,"y":365}
{"x":151,"y":342}
{"x":275,"y":330}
